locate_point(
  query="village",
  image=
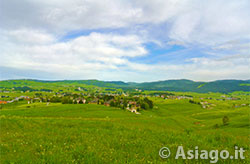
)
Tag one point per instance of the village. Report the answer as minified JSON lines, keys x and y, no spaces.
{"x":133,"y":102}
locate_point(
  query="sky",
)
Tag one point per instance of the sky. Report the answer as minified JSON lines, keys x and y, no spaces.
{"x":125,"y":40}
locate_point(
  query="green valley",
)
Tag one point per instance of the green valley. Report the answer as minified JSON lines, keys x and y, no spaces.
{"x":74,"y":122}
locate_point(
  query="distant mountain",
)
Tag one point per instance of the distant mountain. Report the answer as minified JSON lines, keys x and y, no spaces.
{"x":170,"y":85}
{"x":224,"y":86}
{"x":183,"y":85}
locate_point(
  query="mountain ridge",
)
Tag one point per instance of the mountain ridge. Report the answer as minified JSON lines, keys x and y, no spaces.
{"x":181,"y":85}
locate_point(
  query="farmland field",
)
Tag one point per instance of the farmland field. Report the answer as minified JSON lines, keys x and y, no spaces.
{"x":90,"y":133}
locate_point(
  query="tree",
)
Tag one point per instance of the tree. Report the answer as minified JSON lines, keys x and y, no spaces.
{"x":65,"y":100}
{"x":145,"y":106}
{"x":149,"y":102}
{"x":101,"y":102}
{"x":112,"y":103}
{"x":55,"y":99}
{"x":70,"y":101}
{"x":125,"y":104}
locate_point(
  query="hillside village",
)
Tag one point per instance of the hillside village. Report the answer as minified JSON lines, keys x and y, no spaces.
{"x":131,"y":101}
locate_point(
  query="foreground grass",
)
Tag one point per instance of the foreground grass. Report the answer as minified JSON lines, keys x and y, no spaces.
{"x":98,"y":134}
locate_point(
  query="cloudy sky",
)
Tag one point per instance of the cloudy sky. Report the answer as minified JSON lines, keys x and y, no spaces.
{"x":129,"y":40}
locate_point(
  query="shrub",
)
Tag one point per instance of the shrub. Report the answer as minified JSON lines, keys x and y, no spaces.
{"x":225,"y":120}
{"x":216,"y":126}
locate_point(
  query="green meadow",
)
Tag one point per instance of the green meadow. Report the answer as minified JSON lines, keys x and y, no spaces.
{"x":90,"y":133}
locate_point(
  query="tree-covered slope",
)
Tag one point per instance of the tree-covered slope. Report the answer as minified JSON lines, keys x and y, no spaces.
{"x":182,"y":85}
{"x":188,"y":85}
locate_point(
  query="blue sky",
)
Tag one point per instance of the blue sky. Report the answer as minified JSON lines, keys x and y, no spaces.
{"x":125,"y":40}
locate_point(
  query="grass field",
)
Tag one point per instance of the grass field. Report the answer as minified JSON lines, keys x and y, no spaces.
{"x":88,"y":133}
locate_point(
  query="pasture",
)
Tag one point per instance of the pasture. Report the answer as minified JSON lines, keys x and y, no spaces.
{"x":88,"y":133}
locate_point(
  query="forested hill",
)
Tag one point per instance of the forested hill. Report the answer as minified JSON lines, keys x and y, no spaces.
{"x":188,"y":85}
{"x":183,"y":85}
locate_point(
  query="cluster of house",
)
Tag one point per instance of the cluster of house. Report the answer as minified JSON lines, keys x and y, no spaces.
{"x":132,"y":106}
{"x":14,"y":100}
{"x":207,"y":105}
{"x":77,"y":101}
{"x":138,"y":90}
{"x":174,"y":97}
{"x":228,"y":98}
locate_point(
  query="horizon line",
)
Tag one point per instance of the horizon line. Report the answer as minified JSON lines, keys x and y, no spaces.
{"x":121,"y":80}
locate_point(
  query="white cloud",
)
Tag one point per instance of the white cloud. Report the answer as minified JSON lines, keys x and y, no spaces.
{"x":30,"y":34}
{"x":26,"y":36}
{"x":94,"y":52}
{"x":212,"y":22}
{"x":188,"y":21}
